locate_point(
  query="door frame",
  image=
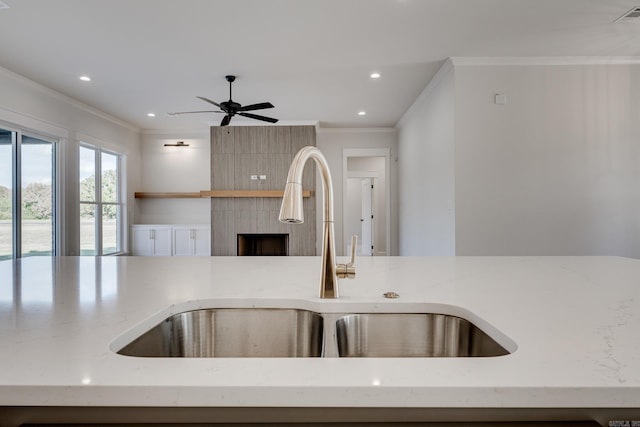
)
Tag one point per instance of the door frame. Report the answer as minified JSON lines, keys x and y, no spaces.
{"x":370,"y":152}
{"x":57,"y":193}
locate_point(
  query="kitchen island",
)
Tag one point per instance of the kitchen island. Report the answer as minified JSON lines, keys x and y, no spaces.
{"x":570,"y":324}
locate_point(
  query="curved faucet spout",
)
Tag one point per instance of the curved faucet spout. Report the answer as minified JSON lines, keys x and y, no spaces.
{"x":292,"y":211}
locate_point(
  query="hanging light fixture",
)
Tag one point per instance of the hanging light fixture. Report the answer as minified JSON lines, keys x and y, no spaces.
{"x":177,"y":144}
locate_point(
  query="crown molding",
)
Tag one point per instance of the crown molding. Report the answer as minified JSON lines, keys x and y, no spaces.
{"x":68,"y":100}
{"x":357,"y":130}
{"x":177,"y":133}
{"x":280,"y":123}
{"x":544,"y":60}
{"x":206,"y":131}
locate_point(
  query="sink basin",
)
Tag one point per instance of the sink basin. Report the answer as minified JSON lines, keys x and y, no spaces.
{"x":412,"y":335}
{"x":232,"y":332}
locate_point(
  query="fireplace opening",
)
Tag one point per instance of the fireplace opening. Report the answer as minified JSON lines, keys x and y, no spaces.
{"x":263,"y":244}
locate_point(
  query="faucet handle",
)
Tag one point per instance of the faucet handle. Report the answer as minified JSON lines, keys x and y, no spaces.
{"x":354,"y":247}
{"x":348,"y":271}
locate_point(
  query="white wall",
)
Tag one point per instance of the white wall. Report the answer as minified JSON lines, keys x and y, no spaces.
{"x":31,"y":106}
{"x":175,"y":169}
{"x":555,"y":171}
{"x":426,"y":141}
{"x":332,"y":142}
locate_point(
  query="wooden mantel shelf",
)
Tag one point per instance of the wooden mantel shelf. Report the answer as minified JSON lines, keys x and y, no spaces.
{"x":216,"y":193}
{"x":248,"y":193}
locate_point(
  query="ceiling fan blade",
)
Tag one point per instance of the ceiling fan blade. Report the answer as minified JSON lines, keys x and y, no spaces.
{"x":257,"y":117}
{"x":260,"y":106}
{"x":193,"y":112}
{"x":209,"y":101}
{"x":225,"y":120}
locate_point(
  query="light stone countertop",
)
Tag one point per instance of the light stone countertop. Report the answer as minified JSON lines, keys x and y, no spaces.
{"x":572,"y":324}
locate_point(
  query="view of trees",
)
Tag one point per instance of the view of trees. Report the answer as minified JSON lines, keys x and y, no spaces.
{"x":109,"y":194}
{"x":36,"y":198}
{"x":36,"y":201}
{"x":5,"y":203}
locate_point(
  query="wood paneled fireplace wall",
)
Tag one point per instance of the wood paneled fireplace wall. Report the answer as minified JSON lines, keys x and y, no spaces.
{"x":237,"y":154}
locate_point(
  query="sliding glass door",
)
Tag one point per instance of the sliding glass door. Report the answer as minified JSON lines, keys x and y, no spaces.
{"x":36,"y":159}
{"x":27,"y":195}
{"x":6,"y":193}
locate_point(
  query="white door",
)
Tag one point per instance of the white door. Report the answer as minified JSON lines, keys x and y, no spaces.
{"x":367,"y":217}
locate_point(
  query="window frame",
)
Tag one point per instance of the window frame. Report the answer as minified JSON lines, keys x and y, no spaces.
{"x":98,"y":203}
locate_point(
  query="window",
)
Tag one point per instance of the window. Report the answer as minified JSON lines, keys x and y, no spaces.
{"x":27,"y":195}
{"x":100,"y":202}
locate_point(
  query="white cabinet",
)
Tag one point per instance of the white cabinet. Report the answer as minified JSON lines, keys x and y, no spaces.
{"x":169,"y":240}
{"x":151,"y":240}
{"x":191,"y":240}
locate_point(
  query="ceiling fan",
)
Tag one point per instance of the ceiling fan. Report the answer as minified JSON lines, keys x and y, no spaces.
{"x":230,"y":108}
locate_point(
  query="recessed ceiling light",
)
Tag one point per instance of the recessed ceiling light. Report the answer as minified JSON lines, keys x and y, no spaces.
{"x":375,"y":75}
{"x":362,"y":113}
{"x":151,"y":114}
{"x":85,"y":78}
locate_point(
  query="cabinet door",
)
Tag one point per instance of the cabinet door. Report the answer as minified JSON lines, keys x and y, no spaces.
{"x":182,"y":241}
{"x":141,"y":244}
{"x":162,"y":241}
{"x":201,"y":243}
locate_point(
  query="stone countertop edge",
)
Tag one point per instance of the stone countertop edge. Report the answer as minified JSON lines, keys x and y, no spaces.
{"x":571,"y":324}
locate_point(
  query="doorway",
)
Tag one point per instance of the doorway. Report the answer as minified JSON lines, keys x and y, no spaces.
{"x":361,"y":214}
{"x":366,"y":207}
{"x":27,"y":195}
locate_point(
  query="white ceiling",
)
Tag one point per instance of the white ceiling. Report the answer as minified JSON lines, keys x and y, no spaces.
{"x":310,"y":58}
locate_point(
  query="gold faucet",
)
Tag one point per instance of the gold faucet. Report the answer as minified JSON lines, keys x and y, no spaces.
{"x":292,"y":212}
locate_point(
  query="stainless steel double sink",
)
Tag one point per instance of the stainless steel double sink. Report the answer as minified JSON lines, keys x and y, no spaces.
{"x":291,"y":332}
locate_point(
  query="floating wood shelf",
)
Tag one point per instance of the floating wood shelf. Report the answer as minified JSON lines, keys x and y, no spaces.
{"x":145,"y":195}
{"x":216,"y":193}
{"x":248,"y":193}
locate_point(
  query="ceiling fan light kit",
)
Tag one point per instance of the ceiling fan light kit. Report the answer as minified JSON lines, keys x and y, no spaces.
{"x":230,"y":108}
